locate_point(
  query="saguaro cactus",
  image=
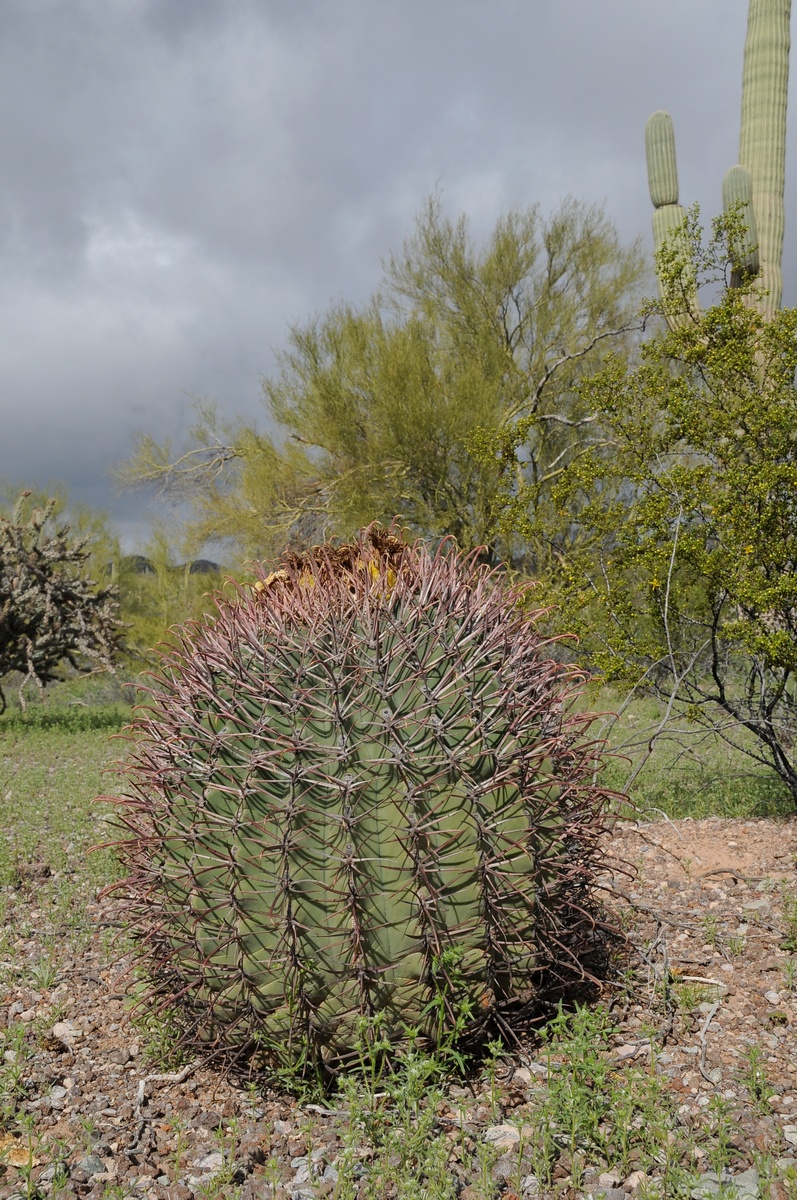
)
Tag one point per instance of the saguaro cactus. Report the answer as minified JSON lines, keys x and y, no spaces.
{"x":762,"y":144}
{"x":679,"y":290}
{"x":756,"y":182}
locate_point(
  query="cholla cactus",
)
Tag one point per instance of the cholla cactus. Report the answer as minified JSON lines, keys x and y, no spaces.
{"x":756,"y":184}
{"x":359,"y":765}
{"x":50,"y":612}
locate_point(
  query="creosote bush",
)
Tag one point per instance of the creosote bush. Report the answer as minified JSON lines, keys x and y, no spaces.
{"x":361,"y":769}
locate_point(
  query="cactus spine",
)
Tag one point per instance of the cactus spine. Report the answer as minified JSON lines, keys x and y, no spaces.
{"x":756,"y":184}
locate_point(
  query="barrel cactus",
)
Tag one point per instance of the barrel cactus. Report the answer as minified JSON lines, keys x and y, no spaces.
{"x":357,"y":766}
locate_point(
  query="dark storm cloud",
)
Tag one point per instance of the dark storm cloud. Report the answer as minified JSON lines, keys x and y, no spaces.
{"x":179,"y":179}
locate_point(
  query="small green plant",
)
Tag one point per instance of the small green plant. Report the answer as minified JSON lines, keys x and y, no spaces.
{"x":755,"y":1079}
{"x":691,"y":995}
{"x":721,"y":1133}
{"x":14,"y":1052}
{"x":392,"y":1106}
{"x":790,"y":973}
{"x":710,"y":929}
{"x":220,"y":1183}
{"x":494,"y":1051}
{"x":44,"y":972}
{"x":736,"y":946}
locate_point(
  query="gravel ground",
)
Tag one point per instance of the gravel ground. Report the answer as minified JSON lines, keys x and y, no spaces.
{"x":709,"y":907}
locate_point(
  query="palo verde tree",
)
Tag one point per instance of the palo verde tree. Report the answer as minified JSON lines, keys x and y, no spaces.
{"x":379,"y":410}
{"x":51,"y":613}
{"x":687,"y":582}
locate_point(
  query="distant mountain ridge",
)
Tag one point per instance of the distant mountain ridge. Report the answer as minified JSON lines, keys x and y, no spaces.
{"x":139,"y":564}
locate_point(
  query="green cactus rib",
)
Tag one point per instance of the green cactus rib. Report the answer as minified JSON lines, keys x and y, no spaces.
{"x":662,"y":166}
{"x":670,"y":238}
{"x":762,"y":142}
{"x":332,"y":785}
{"x":737,"y":197}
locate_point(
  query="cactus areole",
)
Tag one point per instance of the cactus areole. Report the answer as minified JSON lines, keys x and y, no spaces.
{"x":360,"y":763}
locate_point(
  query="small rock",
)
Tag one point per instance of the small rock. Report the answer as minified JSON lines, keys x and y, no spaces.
{"x":744,"y":1186}
{"x":209,"y":1120}
{"x":790,"y":1134}
{"x":503,"y":1137}
{"x":628,"y":1051}
{"x":772,"y":997}
{"x":283,"y":1127}
{"x":91,"y":1165}
{"x":756,"y":905}
{"x":504,"y":1166}
{"x":66,"y":1032}
{"x":634,"y":1181}
{"x":211,"y":1162}
{"x":608,"y":1179}
{"x":530,"y":1185}
{"x":120,"y":1055}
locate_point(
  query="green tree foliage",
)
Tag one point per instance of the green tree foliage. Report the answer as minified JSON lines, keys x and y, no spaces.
{"x":51,"y":613}
{"x":160,"y":591}
{"x":402,"y":407}
{"x":685,"y":578}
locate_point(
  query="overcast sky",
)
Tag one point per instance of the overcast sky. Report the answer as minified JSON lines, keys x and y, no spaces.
{"x":181,"y":179}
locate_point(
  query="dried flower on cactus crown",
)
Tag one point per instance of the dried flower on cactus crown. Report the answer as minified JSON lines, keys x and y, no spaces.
{"x":379,"y":551}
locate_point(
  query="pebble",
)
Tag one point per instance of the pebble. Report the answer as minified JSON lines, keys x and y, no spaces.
{"x":66,"y":1031}
{"x":739,"y":1187}
{"x":502,"y":1137}
{"x":505,"y":1166}
{"x":92,"y":1165}
{"x":635,"y":1181}
{"x":211,"y":1162}
{"x":608,"y":1179}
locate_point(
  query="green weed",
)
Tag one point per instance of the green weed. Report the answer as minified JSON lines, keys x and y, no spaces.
{"x":755,"y":1079}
